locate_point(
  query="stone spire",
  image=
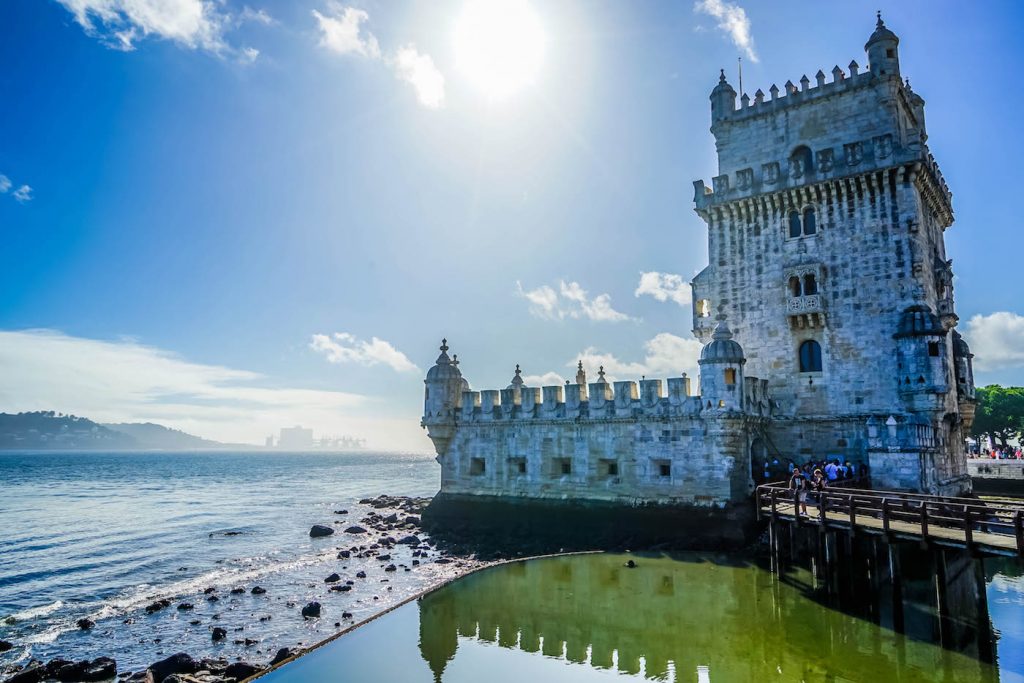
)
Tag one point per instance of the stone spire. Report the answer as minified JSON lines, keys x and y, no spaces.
{"x":581,"y":375}
{"x":600,"y":376}
{"x":517,"y":381}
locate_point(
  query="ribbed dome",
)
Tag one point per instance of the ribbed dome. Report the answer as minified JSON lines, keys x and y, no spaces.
{"x":919,"y":321}
{"x":881,"y":33}
{"x":723,"y":348}
{"x":444,"y":369}
{"x":960,"y":347}
{"x":722,"y":85}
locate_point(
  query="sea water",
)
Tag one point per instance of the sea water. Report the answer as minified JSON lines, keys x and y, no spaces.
{"x":102,"y":535}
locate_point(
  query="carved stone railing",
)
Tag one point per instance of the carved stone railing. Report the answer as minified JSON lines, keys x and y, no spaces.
{"x":810,"y":303}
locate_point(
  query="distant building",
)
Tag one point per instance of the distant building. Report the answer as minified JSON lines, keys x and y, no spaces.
{"x":269,"y":443}
{"x":296,"y":438}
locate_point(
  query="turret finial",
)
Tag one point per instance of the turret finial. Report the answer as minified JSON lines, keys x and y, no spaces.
{"x":455,"y":359}
{"x":579,"y":366}
{"x":721,"y":77}
{"x":444,"y":344}
{"x":600,"y":375}
{"x":880,"y":23}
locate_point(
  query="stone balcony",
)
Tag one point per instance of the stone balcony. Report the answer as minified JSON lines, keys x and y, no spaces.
{"x":806,"y":311}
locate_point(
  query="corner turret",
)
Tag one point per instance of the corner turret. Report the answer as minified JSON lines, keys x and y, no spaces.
{"x":442,"y":397}
{"x":723,"y":99}
{"x":721,"y":372}
{"x":883,"y":51}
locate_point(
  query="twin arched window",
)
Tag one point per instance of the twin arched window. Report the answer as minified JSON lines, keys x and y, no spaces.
{"x":807,"y":224}
{"x":810,"y":356}
{"x":805,"y":287}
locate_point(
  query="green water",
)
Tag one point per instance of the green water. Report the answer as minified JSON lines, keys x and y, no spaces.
{"x":590,"y":618}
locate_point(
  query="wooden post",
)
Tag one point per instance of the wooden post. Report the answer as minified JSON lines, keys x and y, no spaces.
{"x":853,"y":514}
{"x":1018,"y":529}
{"x":885,"y":516}
{"x":775,"y":500}
{"x":822,"y":507}
{"x":924,"y":520}
{"x":896,"y":582}
{"x":968,"y":527}
{"x":941,"y":601}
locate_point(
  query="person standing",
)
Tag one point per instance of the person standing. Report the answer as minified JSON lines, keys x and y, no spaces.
{"x":798,"y":485}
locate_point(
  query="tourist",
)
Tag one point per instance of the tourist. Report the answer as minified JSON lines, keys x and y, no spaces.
{"x":832,"y":470}
{"x":818,"y":485}
{"x":798,"y":484}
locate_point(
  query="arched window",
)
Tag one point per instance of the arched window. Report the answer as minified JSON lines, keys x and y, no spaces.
{"x":803,"y":158}
{"x":810,"y":284}
{"x":810,"y":356}
{"x":810,"y":222}
{"x":730,"y":376}
{"x":794,"y":223}
{"x":794,"y":286}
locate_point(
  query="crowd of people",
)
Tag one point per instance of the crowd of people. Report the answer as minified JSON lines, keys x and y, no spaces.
{"x":1007,"y":453}
{"x":811,"y":478}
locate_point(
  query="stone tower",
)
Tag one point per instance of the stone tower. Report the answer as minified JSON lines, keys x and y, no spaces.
{"x":827,"y":256}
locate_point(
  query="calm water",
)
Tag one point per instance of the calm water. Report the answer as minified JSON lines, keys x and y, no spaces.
{"x":103,"y":535}
{"x":692,"y":618}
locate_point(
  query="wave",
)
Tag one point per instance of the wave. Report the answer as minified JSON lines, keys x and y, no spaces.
{"x":35,"y":612}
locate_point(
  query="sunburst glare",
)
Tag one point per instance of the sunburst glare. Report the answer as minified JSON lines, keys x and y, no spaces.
{"x":499,"y":46}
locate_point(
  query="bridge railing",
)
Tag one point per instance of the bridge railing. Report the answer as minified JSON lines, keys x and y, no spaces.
{"x":919,"y":514}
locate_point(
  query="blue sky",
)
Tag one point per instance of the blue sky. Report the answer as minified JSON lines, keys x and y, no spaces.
{"x":217,"y":190}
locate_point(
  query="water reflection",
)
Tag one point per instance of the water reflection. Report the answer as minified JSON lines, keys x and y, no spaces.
{"x":683,"y":619}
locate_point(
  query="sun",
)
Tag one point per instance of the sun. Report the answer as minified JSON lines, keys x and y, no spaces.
{"x":499,"y":46}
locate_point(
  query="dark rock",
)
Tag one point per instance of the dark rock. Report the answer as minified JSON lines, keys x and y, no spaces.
{"x":409,"y":540}
{"x":258,"y":590}
{"x":391,"y":568}
{"x":392,"y":518}
{"x":33,"y":673}
{"x":319,"y":530}
{"x":631,"y":564}
{"x":341,"y":512}
{"x":85,"y":624}
{"x":241,"y":670}
{"x":186,"y":606}
{"x":214,"y":666}
{"x":360,"y":575}
{"x":346,"y":615}
{"x":209,"y":590}
{"x":311,"y":611}
{"x":344,"y":555}
{"x":442,"y":560}
{"x":213,"y":598}
{"x":384,"y":558}
{"x":55,"y":665}
{"x":282,"y":654}
{"x":333,"y":578}
{"x":100,"y":669}
{"x":412,"y":519}
{"x":218,"y":634}
{"x":6,"y":645}
{"x":180,"y":663}
{"x":194,"y":622}
{"x":344,"y":588}
{"x":237,"y":591}
{"x":355,"y":530}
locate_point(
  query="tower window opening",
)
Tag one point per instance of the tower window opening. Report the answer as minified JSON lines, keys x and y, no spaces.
{"x":703,"y":308}
{"x":794,"y":286}
{"x":730,"y":376}
{"x":810,"y":222}
{"x":565,"y":467}
{"x":810,"y":284}
{"x":477,"y":466}
{"x":933,"y":349}
{"x":794,"y":223}
{"x":890,"y":53}
{"x":810,"y":356}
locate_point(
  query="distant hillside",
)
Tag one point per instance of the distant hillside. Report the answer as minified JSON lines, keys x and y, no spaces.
{"x":150,"y":435}
{"x":47,"y":429}
{"x":51,"y":430}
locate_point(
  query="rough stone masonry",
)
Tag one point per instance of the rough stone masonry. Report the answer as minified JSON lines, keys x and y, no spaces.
{"x":826,"y":312}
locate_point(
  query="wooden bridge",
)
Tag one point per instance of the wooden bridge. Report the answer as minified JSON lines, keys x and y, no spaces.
{"x":986,"y":527}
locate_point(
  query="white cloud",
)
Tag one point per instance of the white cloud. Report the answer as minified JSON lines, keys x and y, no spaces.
{"x":546,"y":380}
{"x":125,"y":381}
{"x":665,"y":355}
{"x":120,"y":23}
{"x":733,"y":20}
{"x":341,"y":31}
{"x":23,"y":194}
{"x":342,"y":347}
{"x":5,"y":184}
{"x":419,"y":70}
{"x":664,"y":287}
{"x":570,"y":301}
{"x":996,"y":340}
{"x":256,"y":16}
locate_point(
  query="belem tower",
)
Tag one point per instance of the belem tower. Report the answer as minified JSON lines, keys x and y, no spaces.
{"x":826,"y":314}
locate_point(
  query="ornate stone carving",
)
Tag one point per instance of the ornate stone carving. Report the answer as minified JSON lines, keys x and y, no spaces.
{"x":770,"y":172}
{"x":796,"y":167}
{"x":720,"y":183}
{"x":825,"y":160}
{"x":744,"y":179}
{"x":883,"y":146}
{"x":854,"y":153}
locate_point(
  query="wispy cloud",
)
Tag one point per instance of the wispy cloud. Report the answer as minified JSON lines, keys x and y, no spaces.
{"x":342,"y":347}
{"x":546,"y":380}
{"x":569,"y":301}
{"x":342,"y":32}
{"x":23,"y":194}
{"x":664,"y":287}
{"x":5,"y":184}
{"x":195,"y":24}
{"x":126,"y":381}
{"x":997,"y":340}
{"x":733,"y":21}
{"x":665,"y":355}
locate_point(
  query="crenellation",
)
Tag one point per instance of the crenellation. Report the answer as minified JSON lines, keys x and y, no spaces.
{"x":826,"y":315}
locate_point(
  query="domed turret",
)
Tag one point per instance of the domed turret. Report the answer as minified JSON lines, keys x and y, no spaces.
{"x":723,"y":99}
{"x":721,"y":371}
{"x":883,"y":50}
{"x":445,"y":384}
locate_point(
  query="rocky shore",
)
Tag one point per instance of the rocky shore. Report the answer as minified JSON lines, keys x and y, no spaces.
{"x":390,"y":534}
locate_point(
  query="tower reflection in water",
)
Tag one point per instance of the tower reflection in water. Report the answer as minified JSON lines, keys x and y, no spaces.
{"x":682,"y":619}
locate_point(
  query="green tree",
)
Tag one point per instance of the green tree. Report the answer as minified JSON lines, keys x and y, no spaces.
{"x":1000,"y":413}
